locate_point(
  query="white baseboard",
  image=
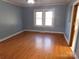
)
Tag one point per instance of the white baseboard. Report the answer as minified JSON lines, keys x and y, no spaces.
{"x":44,"y":31}
{"x":66,"y":39}
{"x":75,"y":56}
{"x":70,"y":47}
{"x":36,"y":31}
{"x":3,"y":39}
{"x":49,"y":32}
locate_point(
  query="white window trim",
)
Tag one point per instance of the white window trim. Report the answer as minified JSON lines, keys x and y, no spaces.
{"x":43,"y":17}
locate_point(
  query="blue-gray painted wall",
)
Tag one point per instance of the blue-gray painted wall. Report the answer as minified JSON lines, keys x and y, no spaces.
{"x":68,"y":21}
{"x":10,"y":19}
{"x":59,"y":18}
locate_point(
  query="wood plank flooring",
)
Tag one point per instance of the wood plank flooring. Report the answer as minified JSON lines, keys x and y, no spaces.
{"x":31,"y":45}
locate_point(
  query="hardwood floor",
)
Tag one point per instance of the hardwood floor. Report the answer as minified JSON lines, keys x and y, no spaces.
{"x":31,"y":45}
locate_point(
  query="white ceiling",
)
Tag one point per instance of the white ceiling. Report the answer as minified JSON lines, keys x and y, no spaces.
{"x":38,"y":2}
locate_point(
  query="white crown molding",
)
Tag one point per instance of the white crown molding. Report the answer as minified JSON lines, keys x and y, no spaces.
{"x":25,"y":4}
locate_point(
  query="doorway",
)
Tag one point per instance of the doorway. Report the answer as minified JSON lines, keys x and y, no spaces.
{"x":74,"y":27}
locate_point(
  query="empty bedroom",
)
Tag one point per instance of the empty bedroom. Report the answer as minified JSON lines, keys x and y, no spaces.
{"x":39,"y":29}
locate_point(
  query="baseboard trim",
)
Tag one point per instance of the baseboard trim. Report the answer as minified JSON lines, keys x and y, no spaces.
{"x":3,"y":39}
{"x":37,"y":31}
{"x":66,"y":39}
{"x":75,"y":55}
{"x":71,"y":49}
{"x":49,"y":32}
{"x":44,"y":31}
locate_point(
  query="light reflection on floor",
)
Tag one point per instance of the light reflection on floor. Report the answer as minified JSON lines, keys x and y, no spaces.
{"x":47,"y":43}
{"x":43,"y":43}
{"x":39,"y":42}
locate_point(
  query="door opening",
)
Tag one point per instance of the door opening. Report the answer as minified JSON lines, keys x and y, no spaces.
{"x":74,"y":25}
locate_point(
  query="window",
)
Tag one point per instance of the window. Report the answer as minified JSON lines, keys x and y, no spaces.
{"x":44,"y":18}
{"x":39,"y":18}
{"x":48,"y":18}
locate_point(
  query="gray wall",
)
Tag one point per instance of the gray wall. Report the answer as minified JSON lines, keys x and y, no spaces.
{"x":10,"y":19}
{"x":77,"y":45}
{"x":59,"y":19}
{"x":68,"y":19}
